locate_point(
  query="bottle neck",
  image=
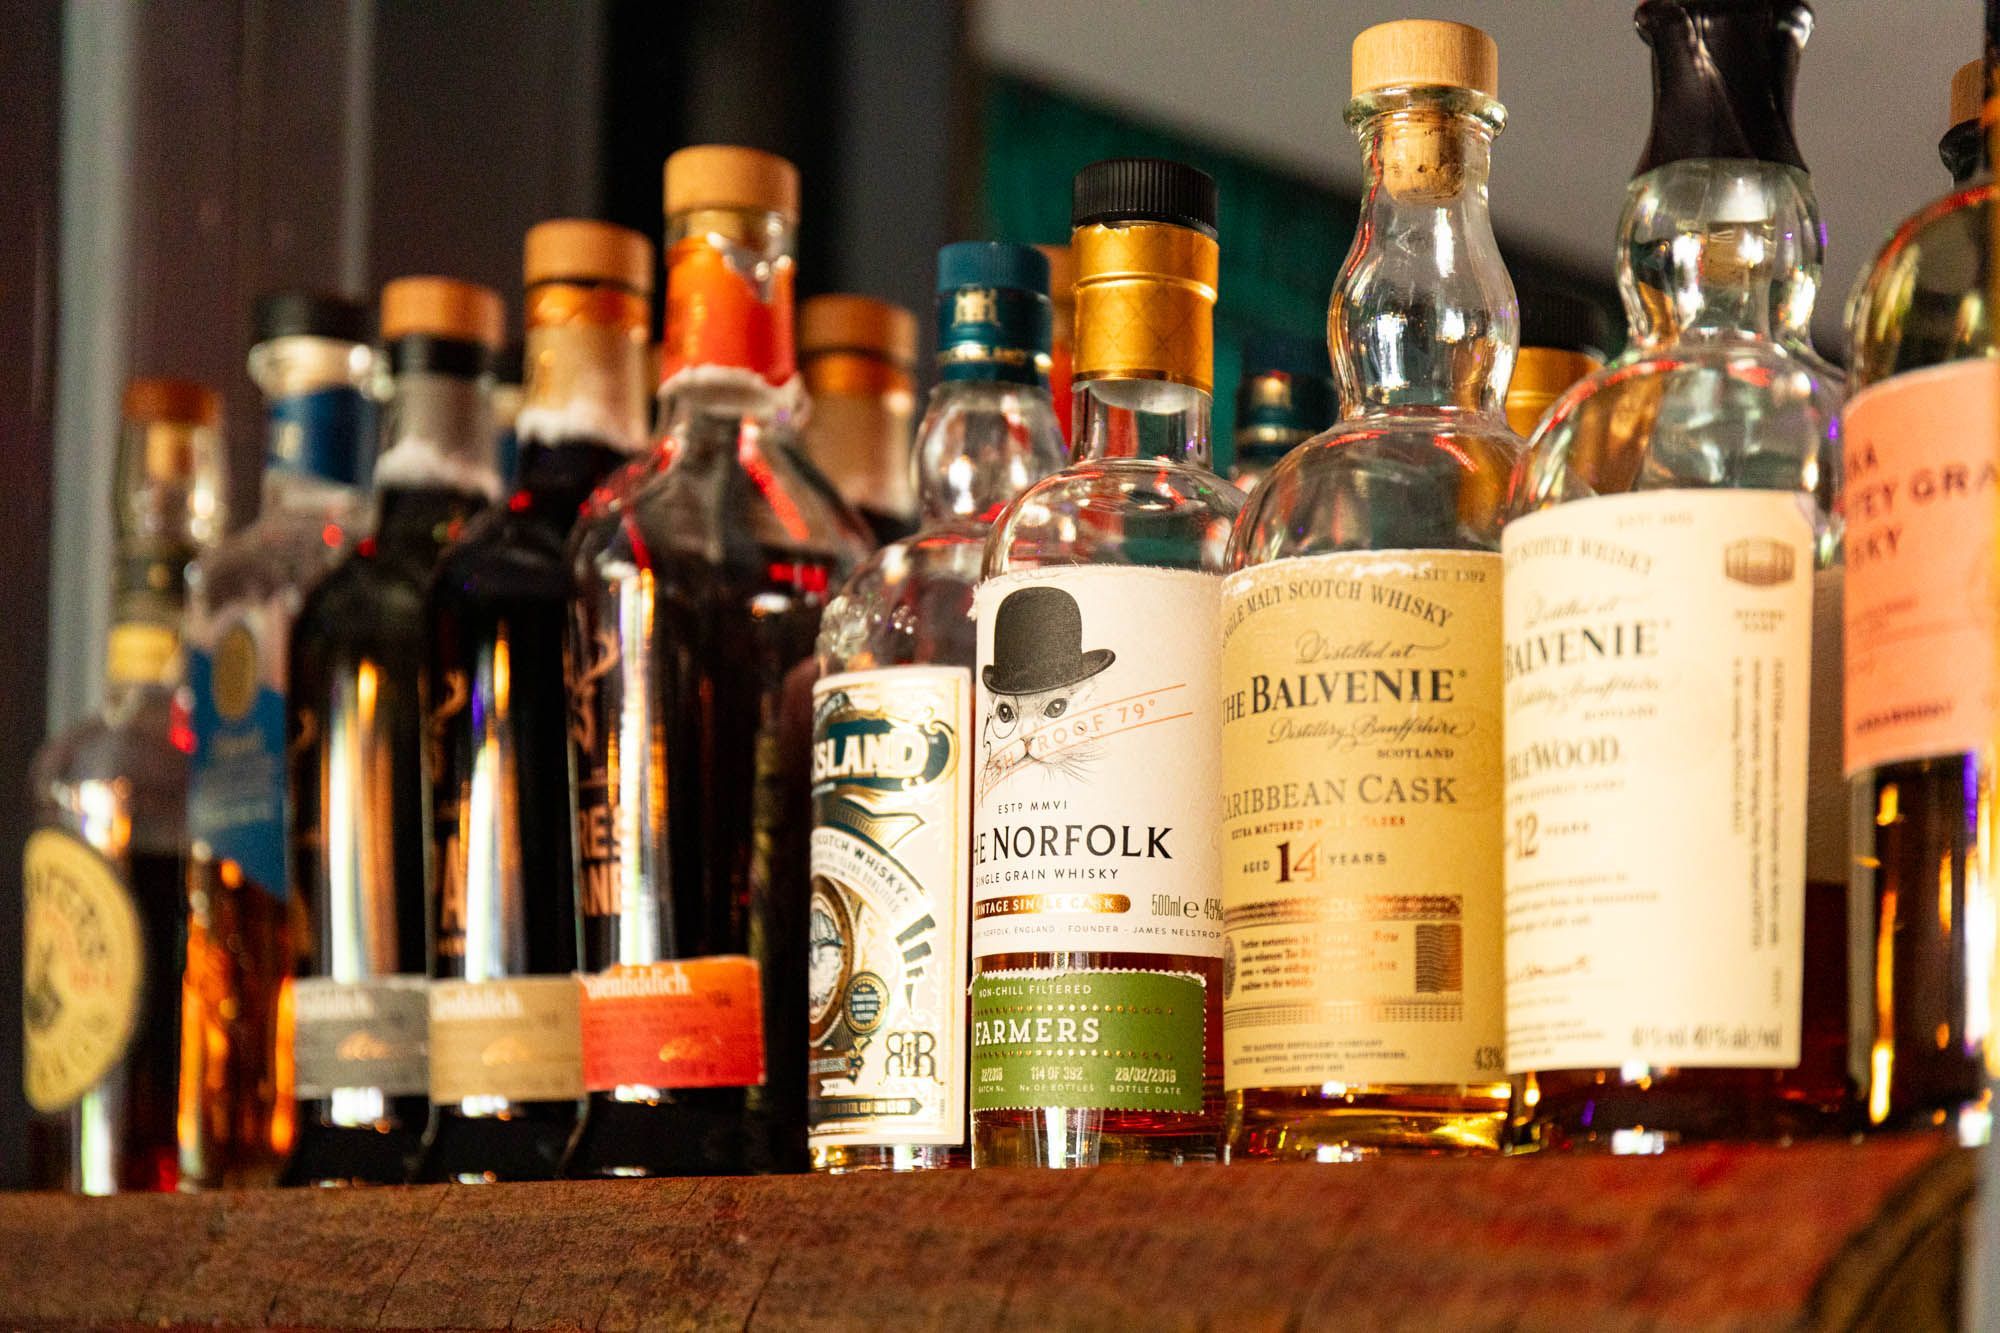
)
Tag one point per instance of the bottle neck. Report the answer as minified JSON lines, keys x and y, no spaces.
{"x":440,"y":434}
{"x":416,"y":523}
{"x":149,"y":593}
{"x":320,"y":422}
{"x":982,"y":443}
{"x":1423,"y":313}
{"x":1141,"y":419}
{"x":587,"y":380}
{"x":729,"y":294}
{"x":1145,"y":341}
{"x":858,"y":433}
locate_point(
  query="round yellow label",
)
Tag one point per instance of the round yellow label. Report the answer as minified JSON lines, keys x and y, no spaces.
{"x":84,"y":966}
{"x":236,"y":673}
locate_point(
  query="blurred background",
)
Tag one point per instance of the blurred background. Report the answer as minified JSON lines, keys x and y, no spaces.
{"x":167,"y":160}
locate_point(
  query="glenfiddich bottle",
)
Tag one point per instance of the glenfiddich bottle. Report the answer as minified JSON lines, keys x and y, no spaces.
{"x":1361,"y":760}
{"x":1284,"y":398}
{"x":358,"y":818}
{"x":1676,"y":864}
{"x":104,"y":877}
{"x":858,"y":356}
{"x":892,"y":741}
{"x":1097,"y":876}
{"x":695,"y":601}
{"x":1918,"y":437}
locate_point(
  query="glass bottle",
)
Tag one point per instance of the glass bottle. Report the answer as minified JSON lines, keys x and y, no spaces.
{"x":355,"y":726}
{"x":105,"y":871}
{"x":1096,"y":864}
{"x":1676,"y":896}
{"x":858,"y":356}
{"x":892,"y":719}
{"x":1284,"y":398}
{"x":1962,"y":148}
{"x":695,"y":600}
{"x":1563,"y":338}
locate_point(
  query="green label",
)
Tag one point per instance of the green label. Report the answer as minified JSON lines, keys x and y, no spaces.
{"x":1112,"y":1041}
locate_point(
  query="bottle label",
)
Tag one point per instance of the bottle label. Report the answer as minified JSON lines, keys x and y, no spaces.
{"x":84,"y":967}
{"x":891,"y":881}
{"x":236,"y":780}
{"x":515,"y":1039}
{"x":320,"y":433}
{"x":1920,"y":472}
{"x":690,"y":1023}
{"x":360,"y":1034}
{"x":1108,"y":1040}
{"x":591,"y":721}
{"x":1658,"y":660}
{"x":1361,"y":816}
{"x":1100,"y":730}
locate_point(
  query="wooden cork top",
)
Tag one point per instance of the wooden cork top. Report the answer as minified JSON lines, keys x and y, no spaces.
{"x":725,"y":176}
{"x":1968,"y":92}
{"x":443,"y":308}
{"x":180,"y":402}
{"x":1425,"y":53}
{"x":585,"y":250}
{"x":840,"y":322}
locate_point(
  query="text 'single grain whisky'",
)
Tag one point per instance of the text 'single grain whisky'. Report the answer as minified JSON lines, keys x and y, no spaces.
{"x":892,"y":754}
{"x":858,"y":356}
{"x":1361,"y":756}
{"x":696,"y":596}
{"x":1097,"y":886}
{"x":1284,"y":398}
{"x":1676,"y":852}
{"x":104,"y":876}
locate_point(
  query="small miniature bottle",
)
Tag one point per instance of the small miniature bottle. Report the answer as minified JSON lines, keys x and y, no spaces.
{"x":858,"y":356}
{"x":1284,"y":398}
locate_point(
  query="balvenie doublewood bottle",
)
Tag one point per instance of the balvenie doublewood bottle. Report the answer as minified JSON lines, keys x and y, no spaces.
{"x":892,"y":739}
{"x":504,"y":924}
{"x":356,"y":734}
{"x":1676,"y":877}
{"x":858,"y":356}
{"x":1361,"y":751}
{"x":696,"y":598}
{"x":1284,"y":398}
{"x":1097,"y":876}
{"x":104,"y":877}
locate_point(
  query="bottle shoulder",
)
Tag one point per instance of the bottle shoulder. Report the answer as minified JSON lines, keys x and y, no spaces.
{"x":1922,"y":300}
{"x":277,"y":555}
{"x":909,"y":603}
{"x":504,"y":555}
{"x":123,"y":753}
{"x":1118,"y":511}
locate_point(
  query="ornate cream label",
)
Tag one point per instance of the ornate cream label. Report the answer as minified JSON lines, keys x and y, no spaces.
{"x":516,"y":1038}
{"x":1361,"y":766}
{"x":83,"y":970}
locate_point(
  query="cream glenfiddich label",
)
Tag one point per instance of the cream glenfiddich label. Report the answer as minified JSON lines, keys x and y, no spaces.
{"x":1658,"y":661}
{"x":1361,"y":785}
{"x":83,"y":969}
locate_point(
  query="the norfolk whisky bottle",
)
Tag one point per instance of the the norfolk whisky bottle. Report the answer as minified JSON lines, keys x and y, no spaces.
{"x":1362,"y":991}
{"x":892,"y":753}
{"x":1676,"y":868}
{"x":1097,"y":878}
{"x":1284,"y":398}
{"x":104,"y":876}
{"x":858,"y":358}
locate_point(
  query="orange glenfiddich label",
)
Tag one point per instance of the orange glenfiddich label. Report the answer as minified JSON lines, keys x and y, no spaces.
{"x":716,"y":316}
{"x":691,"y":1023}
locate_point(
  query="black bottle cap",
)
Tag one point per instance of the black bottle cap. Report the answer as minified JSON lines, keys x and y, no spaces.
{"x":1144,"y":189}
{"x":1723,"y":72}
{"x":295,"y":314}
{"x":1552,"y":317}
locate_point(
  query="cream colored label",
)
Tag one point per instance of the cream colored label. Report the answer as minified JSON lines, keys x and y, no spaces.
{"x":1361,"y":769}
{"x":1658,"y":659}
{"x":84,"y":966}
{"x":1099,"y":757}
{"x":517,"y":1039}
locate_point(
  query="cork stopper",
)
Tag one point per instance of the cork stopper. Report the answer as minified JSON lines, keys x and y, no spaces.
{"x":846,"y":323}
{"x":172,"y":402}
{"x":725,"y":176}
{"x":585,"y":250}
{"x":1968,"y":92}
{"x":443,"y":308}
{"x":1431,"y":53}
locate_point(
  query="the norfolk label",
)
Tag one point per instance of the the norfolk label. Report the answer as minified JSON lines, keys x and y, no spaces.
{"x":367,"y":1034}
{"x":1658,"y":657}
{"x":83,"y":969}
{"x":891,"y":878}
{"x":1361,"y":820}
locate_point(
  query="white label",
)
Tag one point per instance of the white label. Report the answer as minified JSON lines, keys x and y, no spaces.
{"x":1658,"y":666}
{"x":1099,"y":763}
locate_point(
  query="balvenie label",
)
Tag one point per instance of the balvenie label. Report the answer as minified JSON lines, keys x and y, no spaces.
{"x":361,"y":1034}
{"x":1112,"y":1040}
{"x":1361,"y":816}
{"x":516,"y":1039}
{"x":692,"y":1023}
{"x":891,"y":881}
{"x":84,"y":968}
{"x":1657,"y":666}
{"x":236,"y":780}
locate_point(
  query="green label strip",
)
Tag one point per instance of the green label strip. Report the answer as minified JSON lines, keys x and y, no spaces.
{"x":1113,"y":1041}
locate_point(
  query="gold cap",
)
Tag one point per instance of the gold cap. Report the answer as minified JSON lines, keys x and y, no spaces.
{"x":585,"y":250}
{"x":1542,"y":375}
{"x":171,"y":401}
{"x":725,"y":176}
{"x":1968,"y":92}
{"x":443,"y":308}
{"x":1145,"y":303}
{"x":1425,"y":53}
{"x":847,"y":323}
{"x":1062,"y":272}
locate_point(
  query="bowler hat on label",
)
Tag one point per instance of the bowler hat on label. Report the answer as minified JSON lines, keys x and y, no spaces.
{"x":1038,"y":643}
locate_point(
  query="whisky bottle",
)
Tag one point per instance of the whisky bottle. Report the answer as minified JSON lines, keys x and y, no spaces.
{"x":1563,"y":338}
{"x":104,"y":875}
{"x":312,"y":362}
{"x":695,"y":601}
{"x":1676,"y":877}
{"x":1062,"y":296}
{"x":1284,"y":398}
{"x":858,"y":357}
{"x":1097,"y":871}
{"x":1918,"y":437}
{"x":889,"y":923}
{"x":355,"y":735}
{"x":1361,"y":757}
{"x":1962,"y":149}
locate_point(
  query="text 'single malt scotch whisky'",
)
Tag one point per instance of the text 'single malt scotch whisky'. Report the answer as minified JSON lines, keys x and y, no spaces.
{"x":696,"y":596}
{"x":1919,"y":435}
{"x":1676,"y":847}
{"x":104,"y":876}
{"x":1284,"y":398}
{"x":892,"y":756}
{"x":858,"y":356}
{"x":1096,"y":881}
{"x":1361,"y":754}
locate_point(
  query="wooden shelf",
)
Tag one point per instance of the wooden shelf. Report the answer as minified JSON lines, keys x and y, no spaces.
{"x":1832,"y":1236}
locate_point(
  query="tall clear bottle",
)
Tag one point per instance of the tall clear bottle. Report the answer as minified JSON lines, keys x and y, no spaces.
{"x":105,"y":871}
{"x":1097,"y":877}
{"x":695,"y":601}
{"x":1919,"y":434}
{"x":1361,"y":754}
{"x":1676,"y":852}
{"x":892,"y":729}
